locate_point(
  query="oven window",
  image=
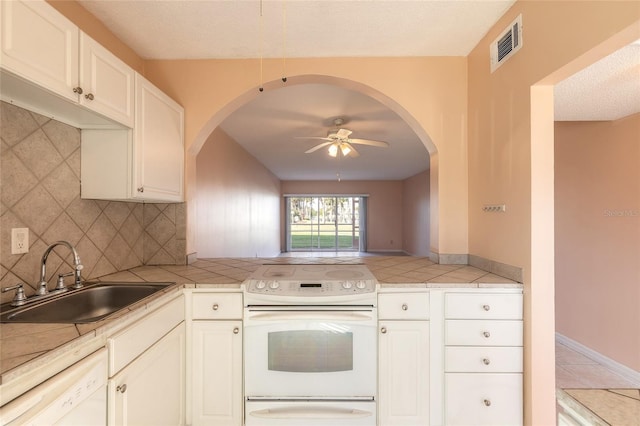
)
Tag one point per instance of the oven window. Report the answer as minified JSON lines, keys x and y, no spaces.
{"x":310,"y":351}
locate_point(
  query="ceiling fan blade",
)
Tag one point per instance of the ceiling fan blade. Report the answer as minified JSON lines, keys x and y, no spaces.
{"x":343,"y":133}
{"x":369,"y":142}
{"x":317,"y":147}
{"x":313,"y":137}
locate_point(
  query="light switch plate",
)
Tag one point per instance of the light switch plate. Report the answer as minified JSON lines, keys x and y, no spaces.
{"x":19,"y":240}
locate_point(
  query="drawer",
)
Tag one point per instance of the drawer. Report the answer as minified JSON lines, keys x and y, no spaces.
{"x":125,"y":346}
{"x":483,"y":399}
{"x":216,"y":306}
{"x":483,"y":333}
{"x":482,"y":305}
{"x":409,"y":306}
{"x":483,"y":359}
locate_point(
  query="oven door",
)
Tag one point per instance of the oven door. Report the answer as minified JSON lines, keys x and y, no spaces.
{"x":310,"y":352}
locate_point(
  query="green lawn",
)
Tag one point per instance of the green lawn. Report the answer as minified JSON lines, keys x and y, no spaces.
{"x":302,"y":241}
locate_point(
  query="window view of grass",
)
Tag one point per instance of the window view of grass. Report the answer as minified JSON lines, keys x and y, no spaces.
{"x":324,"y":223}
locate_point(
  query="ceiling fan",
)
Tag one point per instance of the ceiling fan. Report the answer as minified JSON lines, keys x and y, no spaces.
{"x":338,"y":140}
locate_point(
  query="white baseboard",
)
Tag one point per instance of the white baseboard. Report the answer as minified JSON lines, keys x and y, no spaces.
{"x":626,"y":372}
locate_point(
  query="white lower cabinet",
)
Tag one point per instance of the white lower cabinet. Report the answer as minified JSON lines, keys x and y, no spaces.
{"x":403,"y":373}
{"x":217,"y":373}
{"x":150,"y":390}
{"x":403,"y":363}
{"x":450,"y":357}
{"x":483,"y":358}
{"x":147,"y":369}
{"x":216,"y":394}
{"x":483,"y":399}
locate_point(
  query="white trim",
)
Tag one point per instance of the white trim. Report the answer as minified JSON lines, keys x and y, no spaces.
{"x":621,"y":369}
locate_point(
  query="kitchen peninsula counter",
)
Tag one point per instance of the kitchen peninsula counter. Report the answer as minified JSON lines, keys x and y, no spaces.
{"x":26,"y":346}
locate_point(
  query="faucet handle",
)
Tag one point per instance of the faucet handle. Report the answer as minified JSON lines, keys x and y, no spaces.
{"x":60,"y":284}
{"x":19,"y":299}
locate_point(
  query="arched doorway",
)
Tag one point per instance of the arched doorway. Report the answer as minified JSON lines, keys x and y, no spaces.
{"x":226,"y":124}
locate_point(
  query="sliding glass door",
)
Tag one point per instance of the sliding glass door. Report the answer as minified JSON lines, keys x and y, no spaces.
{"x":325,"y":223}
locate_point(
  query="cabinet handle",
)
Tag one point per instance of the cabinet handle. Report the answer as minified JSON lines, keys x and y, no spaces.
{"x":486,"y":307}
{"x":486,"y":361}
{"x":236,"y":330}
{"x":405,"y":306}
{"x":486,"y":334}
{"x":77,"y":90}
{"x":215,"y":307}
{"x":89,"y":96}
{"x":122,"y":388}
{"x":487,"y":402}
{"x":383,"y":330}
{"x":141,"y":189}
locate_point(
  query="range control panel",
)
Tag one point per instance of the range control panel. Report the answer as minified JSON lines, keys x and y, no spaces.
{"x":311,"y":288}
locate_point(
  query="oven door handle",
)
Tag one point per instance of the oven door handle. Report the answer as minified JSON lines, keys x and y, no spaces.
{"x":310,"y":315}
{"x":310,"y":413}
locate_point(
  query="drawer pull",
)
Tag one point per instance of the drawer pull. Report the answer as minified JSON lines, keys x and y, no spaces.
{"x":236,"y":330}
{"x":122,"y":388}
{"x":486,"y":334}
{"x":486,"y":307}
{"x":215,"y":307}
{"x":486,"y":361}
{"x":383,"y":330}
{"x":487,"y":402}
{"x":405,"y":307}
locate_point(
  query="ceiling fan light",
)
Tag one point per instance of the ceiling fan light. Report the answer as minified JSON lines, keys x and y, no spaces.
{"x":333,"y":150}
{"x":345,"y":149}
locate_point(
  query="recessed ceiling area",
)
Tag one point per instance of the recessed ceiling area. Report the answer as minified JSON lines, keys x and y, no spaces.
{"x":272,"y":128}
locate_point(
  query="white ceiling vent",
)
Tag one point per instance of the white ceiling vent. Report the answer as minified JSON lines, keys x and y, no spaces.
{"x":507,"y":43}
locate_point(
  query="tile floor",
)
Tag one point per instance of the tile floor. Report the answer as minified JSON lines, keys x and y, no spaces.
{"x":576,"y":371}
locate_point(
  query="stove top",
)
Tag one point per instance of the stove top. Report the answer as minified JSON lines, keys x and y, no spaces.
{"x":310,"y":284}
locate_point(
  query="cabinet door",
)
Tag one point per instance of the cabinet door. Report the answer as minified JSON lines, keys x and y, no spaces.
{"x":483,"y":399}
{"x":403,"y":393}
{"x":159,"y":148}
{"x":150,"y":390}
{"x":217,"y":373}
{"x":40,"y":45}
{"x":106,"y":81}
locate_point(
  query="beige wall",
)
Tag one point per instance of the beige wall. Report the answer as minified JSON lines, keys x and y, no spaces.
{"x":238,"y":202}
{"x":428,"y":93}
{"x":511,"y":157}
{"x":597,"y":217}
{"x":415,"y":214}
{"x":384,"y":207}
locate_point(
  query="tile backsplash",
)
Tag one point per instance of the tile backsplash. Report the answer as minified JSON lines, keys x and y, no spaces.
{"x":40,"y":190}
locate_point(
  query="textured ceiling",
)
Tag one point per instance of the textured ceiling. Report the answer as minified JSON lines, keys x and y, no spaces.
{"x":607,"y":90}
{"x":269,"y":125}
{"x":183,"y":29}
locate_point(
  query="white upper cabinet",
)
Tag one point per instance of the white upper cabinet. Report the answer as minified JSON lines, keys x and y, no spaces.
{"x":106,"y":82}
{"x":40,"y":45}
{"x":46,"y":60}
{"x":144,"y":164}
{"x":159,"y":144}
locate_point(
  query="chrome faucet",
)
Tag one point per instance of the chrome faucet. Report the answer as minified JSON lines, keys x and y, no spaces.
{"x":42,"y":286}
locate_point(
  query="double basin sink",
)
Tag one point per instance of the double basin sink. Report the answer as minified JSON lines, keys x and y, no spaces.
{"x":93,"y":302}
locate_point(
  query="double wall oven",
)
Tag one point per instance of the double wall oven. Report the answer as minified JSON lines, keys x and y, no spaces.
{"x":310,"y":346}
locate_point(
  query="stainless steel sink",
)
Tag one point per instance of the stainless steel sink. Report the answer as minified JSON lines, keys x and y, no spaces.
{"x":89,"y":304}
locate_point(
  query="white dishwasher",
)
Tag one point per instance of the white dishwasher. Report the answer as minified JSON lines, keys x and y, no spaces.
{"x":75,"y":396}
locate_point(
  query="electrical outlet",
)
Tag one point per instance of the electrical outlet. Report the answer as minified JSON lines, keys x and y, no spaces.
{"x":19,"y":240}
{"x":494,"y":208}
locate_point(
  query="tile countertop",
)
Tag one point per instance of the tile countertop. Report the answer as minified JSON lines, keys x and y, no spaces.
{"x":24,"y":344}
